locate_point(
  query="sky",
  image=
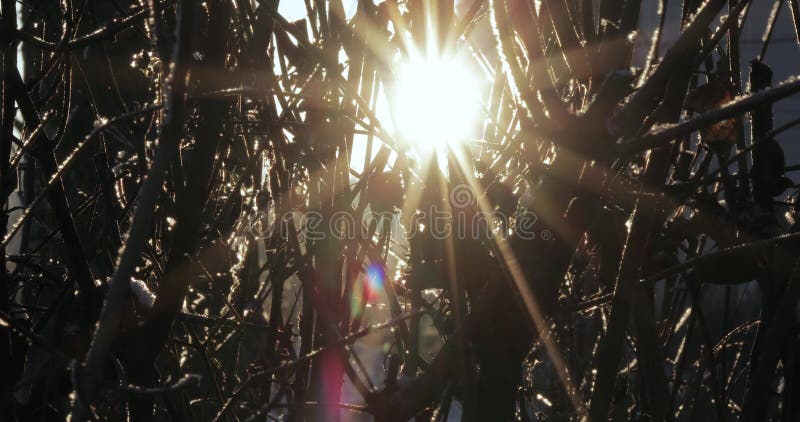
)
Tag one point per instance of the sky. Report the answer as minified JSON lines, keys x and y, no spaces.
{"x":296,"y":9}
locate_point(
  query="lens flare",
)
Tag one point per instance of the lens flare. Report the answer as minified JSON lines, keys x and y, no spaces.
{"x":374,"y":281}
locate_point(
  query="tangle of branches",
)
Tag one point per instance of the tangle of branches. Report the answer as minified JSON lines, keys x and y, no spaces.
{"x":175,"y":175}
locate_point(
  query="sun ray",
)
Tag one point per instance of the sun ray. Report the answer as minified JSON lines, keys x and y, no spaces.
{"x":508,"y":260}
{"x":435,"y":104}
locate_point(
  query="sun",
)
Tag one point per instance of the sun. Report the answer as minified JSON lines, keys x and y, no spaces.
{"x":436,"y":101}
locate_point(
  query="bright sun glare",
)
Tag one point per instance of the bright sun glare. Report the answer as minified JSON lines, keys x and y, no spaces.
{"x":436,"y":102}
